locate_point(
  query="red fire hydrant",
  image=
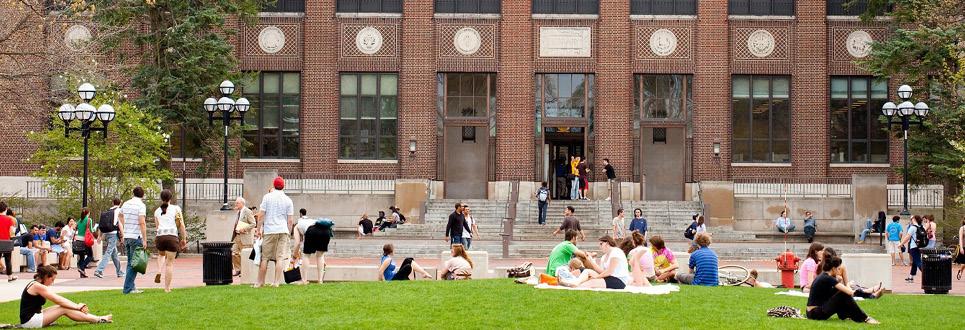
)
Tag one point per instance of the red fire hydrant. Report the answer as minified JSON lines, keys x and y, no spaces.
{"x":787,"y":263}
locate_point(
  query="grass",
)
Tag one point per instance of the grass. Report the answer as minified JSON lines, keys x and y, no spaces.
{"x":487,"y":304}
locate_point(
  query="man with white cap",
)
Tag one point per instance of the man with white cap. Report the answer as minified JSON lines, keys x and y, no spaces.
{"x":275,"y":221}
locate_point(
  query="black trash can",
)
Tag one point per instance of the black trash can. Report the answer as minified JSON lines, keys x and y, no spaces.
{"x":216,"y":263}
{"x":936,"y":275}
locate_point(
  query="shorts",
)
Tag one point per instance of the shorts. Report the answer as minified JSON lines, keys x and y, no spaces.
{"x":614,"y":283}
{"x":316,"y":239}
{"x":167,"y":243}
{"x":893,"y":246}
{"x":35,"y":322}
{"x":274,"y":247}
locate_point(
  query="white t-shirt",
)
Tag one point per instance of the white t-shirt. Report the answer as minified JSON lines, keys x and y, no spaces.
{"x":277,"y":207}
{"x":622,"y":271}
{"x":702,"y":228}
{"x":166,"y":224}
{"x":303,"y":224}
{"x":469,"y":222}
{"x":620,"y":223}
{"x":68,"y":235}
{"x":133,"y":209}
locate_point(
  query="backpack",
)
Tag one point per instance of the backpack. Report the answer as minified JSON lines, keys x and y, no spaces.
{"x":542,"y":194}
{"x":921,"y":239}
{"x":401,"y":217}
{"x":106,"y":224}
{"x":691,"y":231}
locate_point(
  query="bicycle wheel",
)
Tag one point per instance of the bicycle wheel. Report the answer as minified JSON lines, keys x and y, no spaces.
{"x":732,"y":275}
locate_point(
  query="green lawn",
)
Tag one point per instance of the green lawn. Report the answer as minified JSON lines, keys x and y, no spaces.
{"x":484,"y":304}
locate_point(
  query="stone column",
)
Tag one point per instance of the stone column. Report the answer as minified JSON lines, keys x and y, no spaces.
{"x":869,"y":192}
{"x":718,"y":199}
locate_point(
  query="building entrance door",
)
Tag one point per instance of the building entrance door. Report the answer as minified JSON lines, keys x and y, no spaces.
{"x":558,"y":148}
{"x":466,"y":160}
{"x":664,"y":162}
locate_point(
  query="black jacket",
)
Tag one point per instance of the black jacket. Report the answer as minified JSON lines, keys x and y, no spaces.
{"x":456,"y":224}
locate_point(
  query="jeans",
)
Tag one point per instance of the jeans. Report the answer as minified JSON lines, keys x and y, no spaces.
{"x":31,"y":264}
{"x":931,"y":244}
{"x":84,"y":258}
{"x":467,"y":242}
{"x":542,"y":212}
{"x":129,"y":245}
{"x":110,"y":253}
{"x":915,"y":254}
{"x":864,"y":234}
{"x":785,"y":229}
{"x":575,"y":188}
{"x":457,"y":240}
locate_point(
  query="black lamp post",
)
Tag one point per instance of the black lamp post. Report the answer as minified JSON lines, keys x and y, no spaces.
{"x":908,"y":114}
{"x":227,"y":106}
{"x":87,"y":115}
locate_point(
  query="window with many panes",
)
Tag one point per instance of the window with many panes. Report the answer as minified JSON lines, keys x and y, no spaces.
{"x":854,"y":7}
{"x":564,"y":94}
{"x":761,"y":7}
{"x":856,"y":133}
{"x":368,"y":116}
{"x":272,"y":123}
{"x":761,"y":108}
{"x":284,"y":6}
{"x":468,"y":6}
{"x":663,"y":96}
{"x":468,"y":94}
{"x":368,"y":6}
{"x":566,"y":6}
{"x":663,"y":7}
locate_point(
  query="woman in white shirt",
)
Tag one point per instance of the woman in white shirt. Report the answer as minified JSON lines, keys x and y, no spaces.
{"x":471,"y":224}
{"x":459,"y":267}
{"x":67,"y":234}
{"x":312,"y":237}
{"x":169,"y":222}
{"x":616,"y":274}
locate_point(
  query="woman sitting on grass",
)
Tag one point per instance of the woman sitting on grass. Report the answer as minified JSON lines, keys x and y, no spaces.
{"x":843,"y":277}
{"x":663,"y":260}
{"x":809,"y":269}
{"x":615,"y":274}
{"x":36,"y":294}
{"x":829,"y":296}
{"x":641,"y":260}
{"x":459,"y":267}
{"x":388,"y":271}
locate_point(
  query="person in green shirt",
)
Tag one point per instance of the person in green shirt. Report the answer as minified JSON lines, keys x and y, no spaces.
{"x":563,"y":252}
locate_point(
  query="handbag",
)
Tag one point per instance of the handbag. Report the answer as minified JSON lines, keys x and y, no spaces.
{"x":88,"y":238}
{"x":139,"y":260}
{"x":6,"y":246}
{"x":294,"y":272}
{"x":79,"y":247}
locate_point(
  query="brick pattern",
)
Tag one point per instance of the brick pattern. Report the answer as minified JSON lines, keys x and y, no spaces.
{"x":515,"y":146}
{"x":566,"y":64}
{"x":387,"y":59}
{"x":840,"y":61}
{"x":484,"y":60}
{"x":778,"y":62}
{"x":680,"y":61}
{"x":712,"y":124}
{"x":417,"y":81}
{"x":612,"y":122}
{"x":809,"y":92}
{"x":289,"y":58}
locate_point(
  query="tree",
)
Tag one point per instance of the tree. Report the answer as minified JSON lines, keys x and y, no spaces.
{"x":927,"y":49}
{"x":129,"y":157}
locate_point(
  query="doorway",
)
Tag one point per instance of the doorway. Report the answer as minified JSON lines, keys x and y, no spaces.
{"x":664,"y":162}
{"x":559,"y":146}
{"x":466,"y":162}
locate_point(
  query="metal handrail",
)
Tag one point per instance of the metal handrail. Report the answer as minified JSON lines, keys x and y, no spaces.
{"x":918,"y":196}
{"x":792,"y":187}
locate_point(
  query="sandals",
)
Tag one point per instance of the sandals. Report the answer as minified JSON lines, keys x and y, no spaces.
{"x":157,"y":278}
{"x":106,"y":319}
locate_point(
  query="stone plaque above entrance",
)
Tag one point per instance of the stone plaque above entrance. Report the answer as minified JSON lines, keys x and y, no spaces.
{"x":760,"y":43}
{"x":368,"y":40}
{"x":859,"y":43}
{"x":663,"y":42}
{"x":564,"y":42}
{"x":271,"y":39}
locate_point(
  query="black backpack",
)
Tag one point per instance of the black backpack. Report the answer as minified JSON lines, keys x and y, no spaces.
{"x":106,"y":224}
{"x":401,"y":217}
{"x":921,"y":238}
{"x":691,"y":231}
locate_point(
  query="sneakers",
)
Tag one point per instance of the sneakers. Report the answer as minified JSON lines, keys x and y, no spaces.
{"x":136,"y":291}
{"x":98,"y":275}
{"x":120,"y":275}
{"x":910,"y":279}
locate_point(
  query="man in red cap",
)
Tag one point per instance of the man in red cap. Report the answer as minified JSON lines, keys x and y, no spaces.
{"x":274,"y":227}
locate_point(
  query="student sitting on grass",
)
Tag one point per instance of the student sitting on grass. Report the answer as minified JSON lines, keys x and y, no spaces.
{"x":615,"y":272}
{"x":663,"y":260}
{"x":563,"y":252}
{"x":703,"y":264}
{"x":573,"y":274}
{"x":459,"y":267}
{"x":388,"y":271}
{"x":36,"y":294}
{"x":641,"y":260}
{"x":829,"y":296}
{"x":859,"y":291}
{"x":809,"y":269}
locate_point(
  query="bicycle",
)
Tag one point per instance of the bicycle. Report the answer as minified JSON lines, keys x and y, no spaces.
{"x":732,"y":275}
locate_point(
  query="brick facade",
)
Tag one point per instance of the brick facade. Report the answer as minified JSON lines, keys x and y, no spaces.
{"x":418,"y":44}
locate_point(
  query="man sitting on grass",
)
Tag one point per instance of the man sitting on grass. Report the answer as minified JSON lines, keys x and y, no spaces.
{"x":563,"y":252}
{"x":703,"y":264}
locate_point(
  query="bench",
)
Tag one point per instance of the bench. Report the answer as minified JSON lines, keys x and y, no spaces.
{"x":338,"y":273}
{"x":19,"y":262}
{"x":480,"y":263}
{"x":798,"y":236}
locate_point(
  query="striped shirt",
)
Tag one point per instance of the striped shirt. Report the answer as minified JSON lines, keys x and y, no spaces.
{"x":133,"y":209}
{"x":704,"y":263}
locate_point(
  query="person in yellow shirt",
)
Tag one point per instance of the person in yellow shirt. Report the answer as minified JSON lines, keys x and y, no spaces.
{"x":575,"y":181}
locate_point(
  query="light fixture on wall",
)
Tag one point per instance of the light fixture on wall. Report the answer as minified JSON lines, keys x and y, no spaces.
{"x":716,"y":149}
{"x":412,"y":147}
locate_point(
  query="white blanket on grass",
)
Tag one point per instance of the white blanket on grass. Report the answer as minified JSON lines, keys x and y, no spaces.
{"x":795,"y":293}
{"x":656,"y":289}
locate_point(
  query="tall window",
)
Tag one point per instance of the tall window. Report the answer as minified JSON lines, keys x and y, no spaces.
{"x":566,"y":6}
{"x":663,"y":7}
{"x":855,"y":7}
{"x":564,"y":94}
{"x":368,"y":6}
{"x":272,"y":127}
{"x":368,"y":109}
{"x":468,"y":6}
{"x":468,"y":94}
{"x":761,"y":7}
{"x":663,"y":97}
{"x":762,"y":119}
{"x":284,"y":6}
{"x":857,"y":134}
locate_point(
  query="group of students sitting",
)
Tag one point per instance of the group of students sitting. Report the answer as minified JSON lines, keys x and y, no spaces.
{"x":458,"y":267}
{"x":825,"y":278}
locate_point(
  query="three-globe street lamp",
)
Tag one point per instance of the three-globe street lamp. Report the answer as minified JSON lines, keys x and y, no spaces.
{"x":908,"y":113}
{"x":87,"y":115}
{"x":226,"y":106}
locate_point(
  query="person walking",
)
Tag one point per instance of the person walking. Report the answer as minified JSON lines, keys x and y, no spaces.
{"x":109,"y":227}
{"x":961,"y":250}
{"x":783,"y":223}
{"x":6,"y":245}
{"x":570,"y":222}
{"x":67,"y":235}
{"x":471,"y":227}
{"x":617,"y":225}
{"x":560,"y":189}
{"x":894,"y":241}
{"x":810,"y":226}
{"x":455,"y":226}
{"x":241,"y":233}
{"x":611,"y":176}
{"x":134,"y":218}
{"x":83,"y":251}
{"x":542,"y":202}
{"x":916,"y":238}
{"x":275,"y":222}
{"x":35,"y":296}
{"x":930,"y":229}
{"x":169,"y":221}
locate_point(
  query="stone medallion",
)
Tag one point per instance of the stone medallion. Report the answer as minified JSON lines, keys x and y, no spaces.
{"x":859,"y":43}
{"x":271,"y":39}
{"x":368,"y":40}
{"x":760,"y":43}
{"x":467,"y":41}
{"x":663,"y":42}
{"x":77,"y":37}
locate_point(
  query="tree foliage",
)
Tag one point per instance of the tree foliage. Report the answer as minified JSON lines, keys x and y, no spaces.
{"x":129,"y":157}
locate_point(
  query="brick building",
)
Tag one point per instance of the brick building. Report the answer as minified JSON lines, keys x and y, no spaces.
{"x":475,"y":91}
